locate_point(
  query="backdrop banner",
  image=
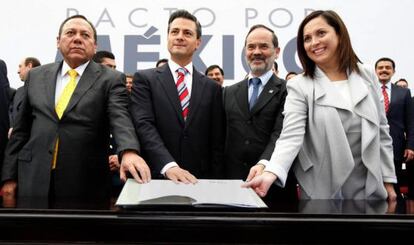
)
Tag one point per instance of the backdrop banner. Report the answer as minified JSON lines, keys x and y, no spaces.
{"x":136,"y":31}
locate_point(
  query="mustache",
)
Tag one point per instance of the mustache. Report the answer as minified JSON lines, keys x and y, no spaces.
{"x":258,"y":57}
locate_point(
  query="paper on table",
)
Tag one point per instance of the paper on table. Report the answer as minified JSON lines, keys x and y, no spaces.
{"x":206,"y":191}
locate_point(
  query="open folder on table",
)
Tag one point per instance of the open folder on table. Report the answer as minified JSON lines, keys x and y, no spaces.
{"x":204,"y":193}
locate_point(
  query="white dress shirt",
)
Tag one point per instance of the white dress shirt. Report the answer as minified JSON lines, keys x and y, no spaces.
{"x":63,"y":78}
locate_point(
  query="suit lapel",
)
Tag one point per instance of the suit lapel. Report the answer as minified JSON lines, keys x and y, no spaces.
{"x":270,"y":90}
{"x":196,"y":94}
{"x":394,"y":97}
{"x":242,"y":98}
{"x":88,"y":78}
{"x":166,"y":79}
{"x":325,"y":95}
{"x":360,"y":89}
{"x":49,"y":79}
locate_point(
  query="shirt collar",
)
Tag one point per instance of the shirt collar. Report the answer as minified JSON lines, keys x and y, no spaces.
{"x":263,"y":78}
{"x":80,"y":69}
{"x":174,"y":66}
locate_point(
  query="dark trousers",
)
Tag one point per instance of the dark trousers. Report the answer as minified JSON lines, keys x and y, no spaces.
{"x":410,"y":179}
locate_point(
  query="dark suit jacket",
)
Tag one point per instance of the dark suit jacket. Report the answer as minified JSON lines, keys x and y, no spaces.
{"x":251,"y":135}
{"x":4,"y":105}
{"x":195,"y":144}
{"x":15,"y":104}
{"x":98,"y":104}
{"x":401,"y":120}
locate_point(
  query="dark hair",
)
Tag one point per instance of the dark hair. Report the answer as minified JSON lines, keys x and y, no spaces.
{"x":3,"y":68}
{"x":290,"y":73}
{"x":161,"y":61}
{"x":186,"y":15}
{"x":100,"y":55}
{"x":212,"y":67}
{"x":78,"y":16}
{"x":276,"y":66}
{"x":347,"y":58}
{"x":129,"y":75}
{"x":385,"y":59}
{"x":401,"y":80}
{"x":274,"y":38}
{"x":31,"y":60}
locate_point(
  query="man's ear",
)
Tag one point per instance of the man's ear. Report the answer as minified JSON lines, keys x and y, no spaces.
{"x":57,"y":42}
{"x":277,"y":52}
{"x":198,"y":43}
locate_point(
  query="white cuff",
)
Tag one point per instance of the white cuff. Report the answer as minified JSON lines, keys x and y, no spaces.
{"x":264,"y":162}
{"x":168,"y":166}
{"x":392,"y":180}
{"x":279,"y":171}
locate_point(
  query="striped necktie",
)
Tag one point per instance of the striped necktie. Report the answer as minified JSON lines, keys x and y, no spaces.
{"x":386,"y":98}
{"x":183,"y":94}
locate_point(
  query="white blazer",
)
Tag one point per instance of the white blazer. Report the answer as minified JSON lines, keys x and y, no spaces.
{"x":313,"y":132}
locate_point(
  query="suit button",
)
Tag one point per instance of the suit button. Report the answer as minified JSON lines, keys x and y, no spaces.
{"x":246,"y":142}
{"x":245,"y":164}
{"x":249,"y":122}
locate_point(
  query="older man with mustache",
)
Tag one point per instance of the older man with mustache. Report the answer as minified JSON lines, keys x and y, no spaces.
{"x":254,"y":109}
{"x":58,"y":147}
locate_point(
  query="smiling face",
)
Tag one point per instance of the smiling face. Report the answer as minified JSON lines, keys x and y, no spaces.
{"x":260,"y":51}
{"x":321,"y":42}
{"x":385,"y":71}
{"x":182,"y":40}
{"x":76,"y":42}
{"x":216,"y":75}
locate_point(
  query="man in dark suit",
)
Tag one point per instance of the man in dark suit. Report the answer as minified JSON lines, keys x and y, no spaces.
{"x":24,"y":67}
{"x":400,"y":115}
{"x":4,"y":105}
{"x":254,"y":113}
{"x":59,"y":144}
{"x":181,"y":139}
{"x":11,"y":94}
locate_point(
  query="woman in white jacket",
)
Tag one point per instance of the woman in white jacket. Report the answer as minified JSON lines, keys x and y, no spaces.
{"x":335,"y":129}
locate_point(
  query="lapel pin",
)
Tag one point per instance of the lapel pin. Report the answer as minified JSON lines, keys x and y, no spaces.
{"x":271,"y":91}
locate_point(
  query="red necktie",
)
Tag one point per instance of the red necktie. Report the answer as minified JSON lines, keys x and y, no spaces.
{"x":183,"y":92}
{"x":386,"y":98}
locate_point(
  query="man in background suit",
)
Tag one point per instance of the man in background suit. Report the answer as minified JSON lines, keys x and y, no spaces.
{"x":400,"y":115}
{"x":402,"y":82}
{"x":24,"y":67}
{"x":105,"y":58}
{"x":254,"y":117}
{"x":59,"y":144}
{"x":4,"y":106}
{"x":216,"y":73}
{"x":180,"y":146}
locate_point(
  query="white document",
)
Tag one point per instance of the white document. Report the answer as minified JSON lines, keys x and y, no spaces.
{"x":204,"y":192}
